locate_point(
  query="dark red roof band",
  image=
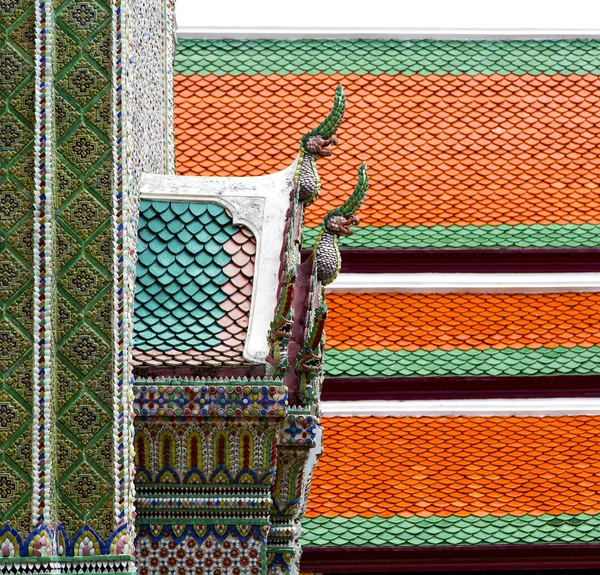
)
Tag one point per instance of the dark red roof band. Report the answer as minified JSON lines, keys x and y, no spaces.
{"x":403,"y":388}
{"x":356,"y":388}
{"x":437,"y":559}
{"x":491,"y":260}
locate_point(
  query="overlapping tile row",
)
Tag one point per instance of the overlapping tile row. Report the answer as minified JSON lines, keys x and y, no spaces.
{"x":475,"y":363}
{"x":194,"y":283}
{"x":474,"y":155}
{"x":471,"y":530}
{"x":456,"y":236}
{"x":483,"y":150}
{"x":456,"y":480}
{"x":280,"y":57}
{"x":444,"y":334}
{"x":447,"y":321}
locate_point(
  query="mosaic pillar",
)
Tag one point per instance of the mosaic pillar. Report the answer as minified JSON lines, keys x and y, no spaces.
{"x":205,"y":460}
{"x":297,"y":442}
{"x":85,"y":109}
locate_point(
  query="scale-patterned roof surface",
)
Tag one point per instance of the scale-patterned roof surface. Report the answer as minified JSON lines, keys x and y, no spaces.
{"x":469,"y":144}
{"x":194,"y":284}
{"x":455,"y":481}
{"x":391,"y":334}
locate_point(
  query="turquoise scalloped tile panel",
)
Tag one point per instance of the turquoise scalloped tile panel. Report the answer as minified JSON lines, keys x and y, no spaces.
{"x":180,"y":274}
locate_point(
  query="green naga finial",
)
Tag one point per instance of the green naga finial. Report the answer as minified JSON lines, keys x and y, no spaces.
{"x":313,"y":146}
{"x":337,"y":223}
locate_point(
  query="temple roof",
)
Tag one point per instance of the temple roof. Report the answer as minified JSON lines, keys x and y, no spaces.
{"x":387,"y":481}
{"x":470,"y":144}
{"x":457,"y":334}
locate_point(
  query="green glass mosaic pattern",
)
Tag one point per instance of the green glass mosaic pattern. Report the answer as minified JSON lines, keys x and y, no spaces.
{"x":452,"y":530}
{"x":503,"y":236}
{"x":180,"y":275}
{"x":392,"y":57}
{"x":83,"y":270}
{"x":472,"y":362}
{"x":17,"y":49}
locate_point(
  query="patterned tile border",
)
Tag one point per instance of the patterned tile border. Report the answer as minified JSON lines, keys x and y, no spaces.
{"x":474,"y":362}
{"x":43,"y":280}
{"x":503,"y":236}
{"x":247,"y":399}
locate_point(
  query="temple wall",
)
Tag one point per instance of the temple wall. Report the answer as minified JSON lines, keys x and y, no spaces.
{"x":85,"y":107}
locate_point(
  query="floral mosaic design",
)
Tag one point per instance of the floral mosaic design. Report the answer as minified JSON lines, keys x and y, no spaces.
{"x":231,"y":555}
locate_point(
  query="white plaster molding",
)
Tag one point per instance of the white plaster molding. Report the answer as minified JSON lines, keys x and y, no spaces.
{"x":466,"y":283}
{"x":555,"y":406}
{"x":291,"y":33}
{"x":259,"y":203}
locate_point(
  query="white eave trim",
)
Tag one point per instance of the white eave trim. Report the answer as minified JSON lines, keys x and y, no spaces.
{"x":259,"y":203}
{"x":555,"y":406}
{"x":291,"y":33}
{"x":466,"y":283}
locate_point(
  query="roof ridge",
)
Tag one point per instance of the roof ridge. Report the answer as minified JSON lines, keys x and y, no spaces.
{"x":292,"y":32}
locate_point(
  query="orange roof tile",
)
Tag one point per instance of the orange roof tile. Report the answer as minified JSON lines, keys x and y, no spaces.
{"x":407,"y":466}
{"x":463,"y":321}
{"x":441,"y":149}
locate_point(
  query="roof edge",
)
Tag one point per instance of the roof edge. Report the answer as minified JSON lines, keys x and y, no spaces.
{"x":463,"y":387}
{"x":465,"y":282}
{"x":291,"y":33}
{"x":513,"y":407}
{"x":468,"y":260}
{"x":449,"y":558}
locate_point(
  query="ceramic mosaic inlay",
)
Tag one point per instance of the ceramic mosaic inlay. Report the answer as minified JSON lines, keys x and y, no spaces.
{"x":17,"y":188}
{"x":65,"y":326}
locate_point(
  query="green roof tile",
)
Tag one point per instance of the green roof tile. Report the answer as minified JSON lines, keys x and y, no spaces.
{"x":392,"y":57}
{"x":470,"y":530}
{"x":503,"y":236}
{"x":472,"y":362}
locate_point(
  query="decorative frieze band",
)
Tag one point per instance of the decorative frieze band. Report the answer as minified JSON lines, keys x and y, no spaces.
{"x":246,"y":399}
